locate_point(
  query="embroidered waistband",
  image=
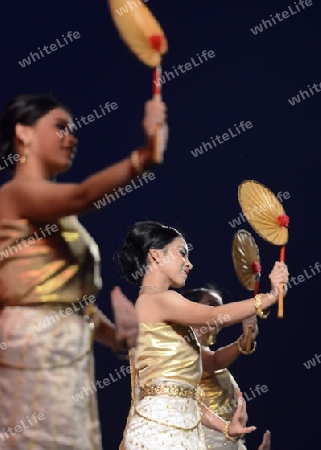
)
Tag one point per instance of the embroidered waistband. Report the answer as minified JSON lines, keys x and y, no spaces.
{"x":172,"y":389}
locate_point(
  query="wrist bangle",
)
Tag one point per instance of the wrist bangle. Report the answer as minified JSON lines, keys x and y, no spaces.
{"x":141,"y":160}
{"x":258,"y":307}
{"x":135,"y":162}
{"x":226,"y":434}
{"x":244,"y":352}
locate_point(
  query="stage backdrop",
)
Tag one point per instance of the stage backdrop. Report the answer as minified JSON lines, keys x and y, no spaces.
{"x":252,"y":63}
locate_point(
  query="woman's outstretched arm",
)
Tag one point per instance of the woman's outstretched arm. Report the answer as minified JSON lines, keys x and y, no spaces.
{"x":170,"y":306}
{"x":223,"y":357}
{"x":41,"y":200}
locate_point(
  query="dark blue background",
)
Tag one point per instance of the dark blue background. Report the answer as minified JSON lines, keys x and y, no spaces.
{"x":250,"y":79}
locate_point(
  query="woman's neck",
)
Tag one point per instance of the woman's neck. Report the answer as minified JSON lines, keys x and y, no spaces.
{"x":156,"y":284}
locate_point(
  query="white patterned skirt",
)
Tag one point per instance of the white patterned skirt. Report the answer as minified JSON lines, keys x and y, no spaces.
{"x":45,"y":378}
{"x":164,"y":421}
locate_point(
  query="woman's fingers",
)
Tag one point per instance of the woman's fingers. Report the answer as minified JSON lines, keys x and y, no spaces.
{"x":280,"y":269}
{"x":266,"y":442}
{"x":247,"y":430}
{"x":155,"y":114}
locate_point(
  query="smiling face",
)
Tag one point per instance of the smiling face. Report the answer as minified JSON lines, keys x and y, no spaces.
{"x":50,"y":141}
{"x":173,"y":262}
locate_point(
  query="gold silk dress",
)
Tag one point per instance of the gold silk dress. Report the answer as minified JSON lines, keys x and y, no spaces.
{"x":221,"y":398}
{"x":46,"y":356}
{"x":165,"y":364}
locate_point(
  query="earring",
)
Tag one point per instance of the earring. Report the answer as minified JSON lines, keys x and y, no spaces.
{"x":25,"y":155}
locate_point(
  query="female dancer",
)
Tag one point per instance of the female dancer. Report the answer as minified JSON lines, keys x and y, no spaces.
{"x":217,"y":382}
{"x":49,"y":279}
{"x":166,"y":363}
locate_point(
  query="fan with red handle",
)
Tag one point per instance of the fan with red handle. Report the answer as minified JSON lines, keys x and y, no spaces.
{"x":266,"y":215}
{"x":246,"y":260}
{"x":145,"y":38}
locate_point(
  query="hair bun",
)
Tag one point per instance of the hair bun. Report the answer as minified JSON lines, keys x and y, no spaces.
{"x":140,"y":238}
{"x":131,"y":261}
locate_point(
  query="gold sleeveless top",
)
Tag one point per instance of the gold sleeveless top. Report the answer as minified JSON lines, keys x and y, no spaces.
{"x":168,"y":351}
{"x":220,"y":396}
{"x":47,"y":264}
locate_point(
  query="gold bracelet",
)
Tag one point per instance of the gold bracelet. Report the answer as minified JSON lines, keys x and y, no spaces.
{"x":135,"y":162}
{"x":227,"y":436}
{"x":258,"y":307}
{"x":244,"y":352}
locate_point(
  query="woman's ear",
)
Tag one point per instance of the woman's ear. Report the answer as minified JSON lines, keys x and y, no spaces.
{"x":23,"y":134}
{"x":155,"y":254}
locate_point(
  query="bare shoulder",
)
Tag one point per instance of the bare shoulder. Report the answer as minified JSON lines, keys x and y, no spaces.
{"x":154,"y":307}
{"x":163,"y":298}
{"x":151,"y":307}
{"x":14,"y":193}
{"x":171,"y":297}
{"x":17,"y":185}
{"x":20,"y":183}
{"x":159,"y":297}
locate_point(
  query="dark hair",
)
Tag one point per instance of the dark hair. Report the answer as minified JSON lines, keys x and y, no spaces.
{"x":140,"y":238}
{"x":26,"y":109}
{"x":196,"y":295}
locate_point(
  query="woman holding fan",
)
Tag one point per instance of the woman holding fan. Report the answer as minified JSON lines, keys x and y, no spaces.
{"x":166,"y":366}
{"x":45,"y":365}
{"x":217,"y":382}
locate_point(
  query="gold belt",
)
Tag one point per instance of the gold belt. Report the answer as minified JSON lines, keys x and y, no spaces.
{"x":172,"y":389}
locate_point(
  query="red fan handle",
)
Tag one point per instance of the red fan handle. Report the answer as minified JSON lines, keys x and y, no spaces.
{"x":280,"y":303}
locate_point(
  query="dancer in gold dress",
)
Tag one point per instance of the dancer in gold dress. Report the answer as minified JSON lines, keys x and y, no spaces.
{"x":166,"y":366}
{"x":217,"y":381}
{"x":50,"y":278}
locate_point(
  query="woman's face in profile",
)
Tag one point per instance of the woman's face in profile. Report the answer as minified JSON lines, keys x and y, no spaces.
{"x":175,"y":263}
{"x":51,"y":141}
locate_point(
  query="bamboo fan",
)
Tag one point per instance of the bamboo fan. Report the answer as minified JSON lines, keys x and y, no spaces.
{"x":145,"y":38}
{"x":246,"y":260}
{"x":266,"y":215}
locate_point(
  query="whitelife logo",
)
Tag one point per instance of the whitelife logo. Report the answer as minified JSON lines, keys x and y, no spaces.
{"x":101,"y":384}
{"x":91,"y":118}
{"x":285,"y":15}
{"x":257,"y":210}
{"x":18,"y":429}
{"x":48,"y":230}
{"x":132,"y":5}
{"x":53,"y":47}
{"x":312,"y":362}
{"x":221,"y":139}
{"x":304,"y":94}
{"x":146,"y":177}
{"x":186,"y":67}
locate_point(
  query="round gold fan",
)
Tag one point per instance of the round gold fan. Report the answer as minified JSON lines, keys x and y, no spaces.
{"x":264,"y":212}
{"x":144,"y":36}
{"x":266,"y":215}
{"x":140,"y":30}
{"x":246,"y":260}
